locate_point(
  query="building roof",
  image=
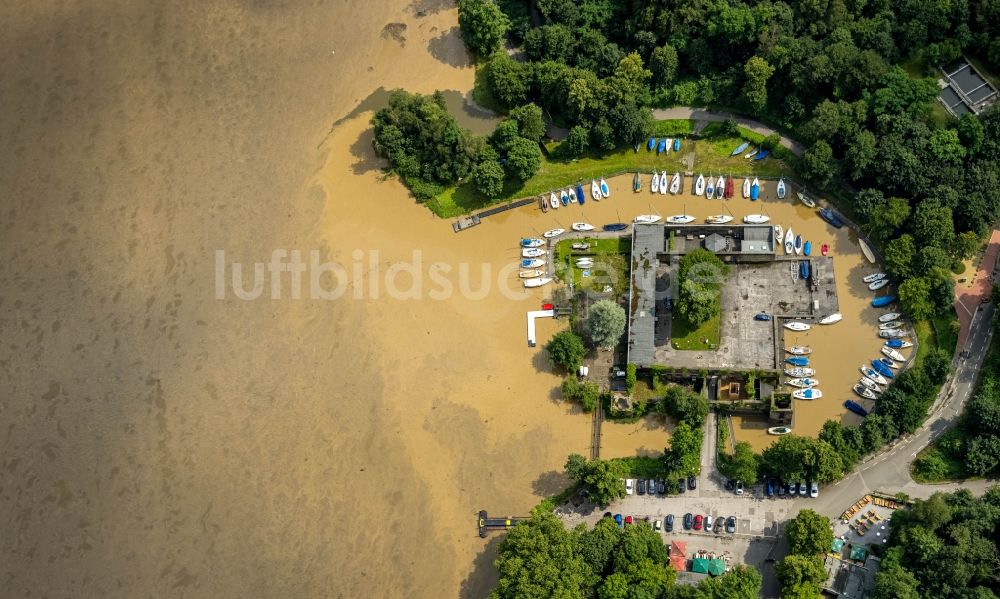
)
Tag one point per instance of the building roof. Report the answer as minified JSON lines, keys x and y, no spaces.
{"x":647,"y":242}
{"x":964,"y":90}
{"x":757,"y":240}
{"x":715,"y":243}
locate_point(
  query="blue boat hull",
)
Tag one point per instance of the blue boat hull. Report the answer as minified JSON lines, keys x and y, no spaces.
{"x":579,"y":194}
{"x":829,"y":216}
{"x":798,"y":361}
{"x":615,"y":227}
{"x":761,"y":155}
{"x":651,"y":144}
{"x":677,"y":144}
{"x":882,"y":369}
{"x":855,"y":407}
{"x":807,"y":248}
{"x":894,"y":343}
{"x":884,"y":300}
{"x":662,"y":147}
{"x":804,"y":270}
{"x":754,"y":192}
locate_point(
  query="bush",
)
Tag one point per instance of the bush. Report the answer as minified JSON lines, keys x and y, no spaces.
{"x":567,"y":350}
{"x":958,"y":267}
{"x":930,"y":466}
{"x":586,"y":393}
{"x":630,"y":377}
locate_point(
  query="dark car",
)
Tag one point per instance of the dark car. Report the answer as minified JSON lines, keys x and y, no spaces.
{"x":680,"y":484}
{"x":762,"y":316}
{"x":668,"y":523}
{"x":692,"y":482}
{"x":720,"y":524}
{"x":770,"y":488}
{"x":731,"y":525}
{"x":651,"y":486}
{"x":670,"y":304}
{"x":688,"y":521}
{"x":698,"y":521}
{"x":779,"y":488}
{"x":789,"y":489}
{"x":618,"y":520}
{"x":641,"y":487}
{"x":661,"y":487}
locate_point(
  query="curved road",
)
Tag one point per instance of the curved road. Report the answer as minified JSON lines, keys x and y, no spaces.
{"x":703,"y":114}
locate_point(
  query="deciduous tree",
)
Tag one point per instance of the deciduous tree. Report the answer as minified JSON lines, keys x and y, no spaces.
{"x":606,"y":323}
{"x":567,"y":350}
{"x":483,"y":25}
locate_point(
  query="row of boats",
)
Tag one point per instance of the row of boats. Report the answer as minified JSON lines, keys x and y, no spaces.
{"x":662,"y":145}
{"x":879,"y":374}
{"x":599,"y":190}
{"x":806,"y":386}
{"x":758,"y":154}
{"x":712,"y":188}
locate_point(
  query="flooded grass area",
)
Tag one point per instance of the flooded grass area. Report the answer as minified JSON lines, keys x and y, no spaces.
{"x":646,"y":437}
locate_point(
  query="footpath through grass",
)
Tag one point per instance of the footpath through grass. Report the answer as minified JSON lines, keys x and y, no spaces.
{"x":710,"y":154}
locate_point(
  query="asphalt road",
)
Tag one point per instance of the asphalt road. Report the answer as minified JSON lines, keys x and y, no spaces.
{"x":889,"y":470}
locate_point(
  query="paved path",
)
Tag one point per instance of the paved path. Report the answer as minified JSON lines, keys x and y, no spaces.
{"x":967,"y":298}
{"x":702,"y":114}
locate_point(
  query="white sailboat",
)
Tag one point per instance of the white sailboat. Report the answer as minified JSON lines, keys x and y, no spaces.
{"x":647,"y":218}
{"x":718,"y":219}
{"x":680,"y":219}
{"x":663,"y":183}
{"x":876,"y":276}
{"x":796,"y":325}
{"x":891,"y":316}
{"x":778,"y":235}
{"x":756,"y":219}
{"x":538,"y":282}
{"x":675,"y":183}
{"x":605,"y":190}
{"x":595,"y":190}
{"x":831,"y":318}
{"x":699,"y":185}
{"x":532,"y":253}
{"x":876,"y":285}
{"x":572,"y":195}
{"x":720,"y":188}
{"x":582,"y":227}
{"x":530,"y":274}
{"x":746,"y":188}
{"x":799,"y":350}
{"x":553,"y":233}
{"x":789,"y":242}
{"x":553,"y":200}
{"x":654,"y":185}
{"x":781,"y":189}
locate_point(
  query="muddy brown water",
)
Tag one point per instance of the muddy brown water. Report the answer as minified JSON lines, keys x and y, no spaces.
{"x":159,"y":441}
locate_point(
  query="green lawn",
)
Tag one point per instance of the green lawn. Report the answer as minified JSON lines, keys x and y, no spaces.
{"x":936,"y":334}
{"x":710,"y":156}
{"x":687,"y":337}
{"x":613,"y":252}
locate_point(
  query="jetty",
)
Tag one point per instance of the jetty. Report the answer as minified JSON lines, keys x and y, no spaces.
{"x":467,"y":222}
{"x":487,"y":524}
{"x":531,"y":323}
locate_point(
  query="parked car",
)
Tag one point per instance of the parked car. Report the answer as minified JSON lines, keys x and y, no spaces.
{"x":762,"y":317}
{"x":629,"y":486}
{"x":642,"y":487}
{"x":814,"y":490}
{"x":688,"y":521}
{"x":668,"y":523}
{"x":618,"y":520}
{"x":708,"y":523}
{"x":661,"y":487}
{"x":731,"y":525}
{"x":656,"y":524}
{"x":692,"y":482}
{"x":790,"y":488}
{"x":651,"y":486}
{"x":698,"y":521}
{"x":779,"y":488}
{"x":739,"y":487}
{"x":680,"y":484}
{"x":720,"y":523}
{"x":802,"y":488}
{"x":769,"y":487}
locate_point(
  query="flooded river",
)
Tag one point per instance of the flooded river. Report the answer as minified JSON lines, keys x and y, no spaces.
{"x":161,"y":441}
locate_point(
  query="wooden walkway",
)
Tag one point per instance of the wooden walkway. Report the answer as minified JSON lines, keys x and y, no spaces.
{"x":595,"y":433}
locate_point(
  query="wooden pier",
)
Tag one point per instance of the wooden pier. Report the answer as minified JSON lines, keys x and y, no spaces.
{"x":467,"y":222}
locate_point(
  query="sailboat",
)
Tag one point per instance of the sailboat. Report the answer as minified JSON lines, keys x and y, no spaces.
{"x":807,"y":394}
{"x":579,"y":194}
{"x":669,"y":144}
{"x":651,"y":144}
{"x":582,"y":227}
{"x":564,"y":197}
{"x":553,"y":200}
{"x":805,"y":199}
{"x":739,"y":149}
{"x":663,"y":183}
{"x":543,"y":203}
{"x":889,"y":317}
{"x":802,"y":383}
{"x":595,"y":190}
{"x":718,"y":219}
{"x":831,"y":318}
{"x":867,"y":251}
{"x":532,"y":262}
{"x":876,"y":285}
{"x":800,"y":371}
{"x":605,"y":190}
{"x":756,"y":219}
{"x":751,"y":154}
{"x":675,"y":183}
{"x":699,"y":185}
{"x":636,"y":183}
{"x":530,"y":274}
{"x":729,"y":187}
{"x":647,"y":218}
{"x":532,"y":242}
{"x":795,"y":325}
{"x":754,"y":189}
{"x":781,"y":189}
{"x":572,"y":195}
{"x":789,"y":242}
{"x":746,"y":187}
{"x":661,"y":146}
{"x":875,"y":276}
{"x":677,"y":144}
{"x":720,"y":188}
{"x":537,"y":282}
{"x":654,"y":185}
{"x":553,"y":233}
{"x":778,"y":232}
{"x":798,"y":245}
{"x":799,"y":350}
{"x":710,"y":189}
{"x":680,"y":219}
{"x":532,"y":253}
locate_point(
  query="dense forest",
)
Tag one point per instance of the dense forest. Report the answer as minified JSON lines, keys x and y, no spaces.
{"x":946,"y":546}
{"x":542,"y":558}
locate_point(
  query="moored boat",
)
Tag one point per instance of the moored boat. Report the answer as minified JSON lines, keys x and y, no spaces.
{"x":778,"y":430}
{"x":553,"y":233}
{"x":890,"y":363}
{"x":892,"y":324}
{"x":864,"y":391}
{"x":532,"y":263}
{"x":755,"y":189}
{"x":807,"y":248}
{"x":781,"y":189}
{"x":720,"y":188}
{"x":740,"y":148}
{"x":675,"y":183}
{"x":537,"y":282}
{"x":800,"y":371}
{"x":680,"y":219}
{"x":824,"y":249}
{"x":803,"y":383}
{"x":799,"y":350}
{"x":884,"y":300}
{"x":532,"y":253}
{"x":710,"y":188}
{"x":867,"y":251}
{"x":855,"y":407}
{"x":564,"y":197}
{"x":804,"y":269}
{"x":532,"y":242}
{"x":789,"y":242}
{"x":677,"y":144}
{"x":663,"y":182}
{"x":660,"y":147}
{"x":873,"y":375}
{"x":831,"y":217}
{"x":810,"y":393}
{"x":699,"y":185}
{"x":718,"y":219}
{"x":882,"y":369}
{"x":893,"y":334}
{"x":595,"y":189}
{"x":553,"y":200}
{"x":579,"y":194}
{"x":805,"y":199}
{"x":778,"y":234}
{"x":756,"y":219}
{"x":605,"y":190}
{"x":572,"y":195}
{"x":729,"y":187}
{"x":746,"y":187}
{"x":876,"y":285}
{"x":898,"y":344}
{"x":892,"y":354}
{"x":530,"y":274}
{"x":795,"y":325}
{"x":867,"y":382}
{"x":762,"y":155}
{"x":798,"y":244}
{"x":543,"y":203}
{"x":797,"y":360}
{"x":875,"y":276}
{"x":889,"y":316}
{"x":614,"y":227}
{"x":582,"y":227}
{"x":647,"y":218}
{"x":581,"y":246}
{"x":654,"y":185}
{"x":831,"y":318}
{"x":651,"y":144}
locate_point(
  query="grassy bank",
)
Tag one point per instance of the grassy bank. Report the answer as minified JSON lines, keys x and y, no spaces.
{"x":935,"y":333}
{"x":708,"y":155}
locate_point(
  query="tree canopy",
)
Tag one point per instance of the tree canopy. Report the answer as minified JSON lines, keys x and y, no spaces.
{"x":567,"y":350}
{"x":606,"y":322}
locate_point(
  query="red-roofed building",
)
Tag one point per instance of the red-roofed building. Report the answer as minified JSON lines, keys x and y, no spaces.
{"x":678,"y":555}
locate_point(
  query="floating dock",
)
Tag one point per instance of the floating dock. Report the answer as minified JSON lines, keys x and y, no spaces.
{"x":487,"y":524}
{"x":531,"y":323}
{"x":467,"y":222}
